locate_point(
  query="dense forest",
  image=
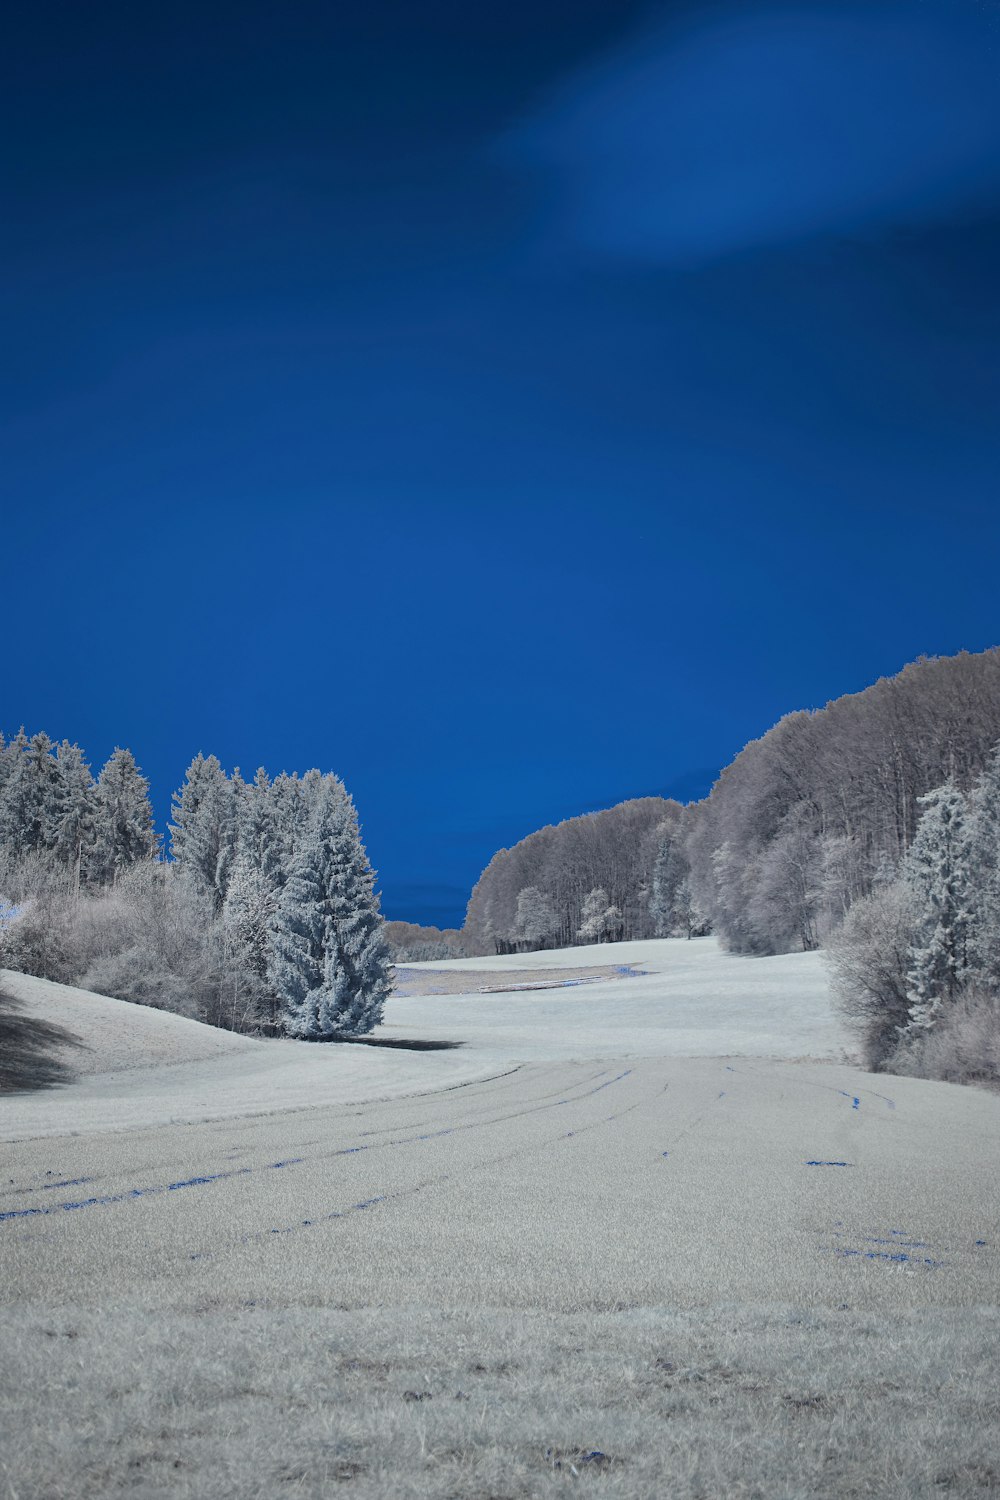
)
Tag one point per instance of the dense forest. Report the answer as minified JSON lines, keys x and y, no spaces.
{"x":264,"y":918}
{"x":588,"y":879}
{"x":870,"y":827}
{"x":412,"y":942}
{"x":809,"y":818}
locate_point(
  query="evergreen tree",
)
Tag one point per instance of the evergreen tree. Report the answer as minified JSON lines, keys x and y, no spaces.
{"x":75,"y":808}
{"x":203,"y":835}
{"x":661,"y":893}
{"x":329,"y":962}
{"x":936,"y":873}
{"x":29,"y":812}
{"x":123,"y":819}
{"x":984,"y":874}
{"x":258,"y":843}
{"x":289,"y":816}
{"x":670,"y":901}
{"x":246,"y":921}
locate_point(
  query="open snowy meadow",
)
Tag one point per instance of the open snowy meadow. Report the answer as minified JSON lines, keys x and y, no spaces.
{"x":634,"y":1225}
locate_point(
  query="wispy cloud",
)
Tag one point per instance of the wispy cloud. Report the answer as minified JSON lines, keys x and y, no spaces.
{"x":755,"y":126}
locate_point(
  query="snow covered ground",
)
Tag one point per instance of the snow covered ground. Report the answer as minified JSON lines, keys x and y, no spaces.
{"x":693,"y":1000}
{"x":626,"y":1219}
{"x":145,"y":1067}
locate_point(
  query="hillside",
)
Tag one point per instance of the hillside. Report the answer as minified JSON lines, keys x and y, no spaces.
{"x":811,"y":816}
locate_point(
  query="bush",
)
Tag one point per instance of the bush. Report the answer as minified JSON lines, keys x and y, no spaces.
{"x":147,"y":940}
{"x":962,"y":1047}
{"x":869,"y":958}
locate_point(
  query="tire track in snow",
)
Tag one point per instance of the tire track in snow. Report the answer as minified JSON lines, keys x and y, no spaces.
{"x":400,"y":1194}
{"x":203,"y":1180}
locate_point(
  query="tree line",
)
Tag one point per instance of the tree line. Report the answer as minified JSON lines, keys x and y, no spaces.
{"x":916,"y":963}
{"x":264,"y":918}
{"x":812,"y":837}
{"x":602,"y":877}
{"x":811,"y":817}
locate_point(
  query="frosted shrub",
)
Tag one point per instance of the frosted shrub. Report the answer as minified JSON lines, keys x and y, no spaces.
{"x":964,"y":1045}
{"x":869,"y":958}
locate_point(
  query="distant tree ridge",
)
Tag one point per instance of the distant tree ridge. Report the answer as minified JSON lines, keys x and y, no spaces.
{"x":588,"y":879}
{"x":823,"y":808}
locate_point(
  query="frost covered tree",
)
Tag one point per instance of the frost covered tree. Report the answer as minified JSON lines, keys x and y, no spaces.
{"x":869,"y":957}
{"x":123,"y":819}
{"x":535,"y":922}
{"x":601,"y":921}
{"x":984,"y":874}
{"x":936,"y":872}
{"x":855,"y":770}
{"x":329,"y":962}
{"x":614,"y":850}
{"x":784,"y":905}
{"x":29,"y":811}
{"x":672,"y":904}
{"x":74,"y":814}
{"x":203,"y":834}
{"x":661,"y":897}
{"x":247,"y":915}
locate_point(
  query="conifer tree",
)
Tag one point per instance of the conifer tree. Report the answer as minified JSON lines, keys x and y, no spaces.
{"x":936,"y":873}
{"x":984,"y":874}
{"x":75,"y":810}
{"x":123,"y":819}
{"x":329,"y":962}
{"x":28,"y":814}
{"x":203,"y":834}
{"x":661,"y":893}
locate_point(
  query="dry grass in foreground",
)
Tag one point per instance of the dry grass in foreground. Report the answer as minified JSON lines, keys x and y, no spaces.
{"x":316,"y":1401}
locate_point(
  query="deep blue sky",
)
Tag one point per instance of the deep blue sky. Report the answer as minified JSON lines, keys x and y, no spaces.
{"x":512,"y":407}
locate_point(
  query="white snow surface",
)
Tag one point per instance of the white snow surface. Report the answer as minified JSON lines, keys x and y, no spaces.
{"x":687,"y":999}
{"x":145,"y":1067}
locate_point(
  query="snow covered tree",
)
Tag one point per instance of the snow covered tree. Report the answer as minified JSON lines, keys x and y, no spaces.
{"x":247,"y":915}
{"x":329,"y":962}
{"x":662,"y":888}
{"x":784,"y":904}
{"x":672,"y":904}
{"x":29,"y":813}
{"x":601,"y":921}
{"x":123,"y":820}
{"x":74,"y":811}
{"x":535,"y":922}
{"x":936,"y":872}
{"x":688,"y":918}
{"x":203,"y":834}
{"x":984,"y":874}
{"x":869,"y":959}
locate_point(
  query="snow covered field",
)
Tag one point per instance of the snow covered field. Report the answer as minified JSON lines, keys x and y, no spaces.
{"x":651,"y":1234}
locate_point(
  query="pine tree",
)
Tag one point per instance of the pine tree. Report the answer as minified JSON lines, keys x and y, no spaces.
{"x":936,"y":872}
{"x":123,"y":819}
{"x":329,"y":962}
{"x":246,"y":922}
{"x":661,"y":893}
{"x":670,"y":902}
{"x":203,"y":835}
{"x":29,"y":812}
{"x":984,"y":874}
{"x":75,"y":810}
